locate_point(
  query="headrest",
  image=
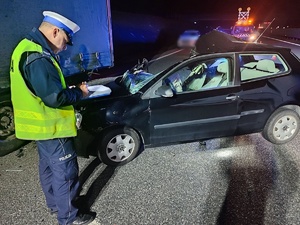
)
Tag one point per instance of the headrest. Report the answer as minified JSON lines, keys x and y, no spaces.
{"x":222,"y":68}
{"x":266,"y":65}
{"x":61,"y":22}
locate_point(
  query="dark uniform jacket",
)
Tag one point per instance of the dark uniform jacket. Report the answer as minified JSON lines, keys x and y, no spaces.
{"x":43,"y":79}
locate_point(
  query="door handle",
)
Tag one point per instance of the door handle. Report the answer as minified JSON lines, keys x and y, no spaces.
{"x":232,"y":97}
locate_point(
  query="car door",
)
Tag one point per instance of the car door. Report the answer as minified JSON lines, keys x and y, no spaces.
{"x":192,"y":114}
{"x":264,"y":83}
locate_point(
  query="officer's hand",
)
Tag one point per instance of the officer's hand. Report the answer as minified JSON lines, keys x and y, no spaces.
{"x":84,"y":88}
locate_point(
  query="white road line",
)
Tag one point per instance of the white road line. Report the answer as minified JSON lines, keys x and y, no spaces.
{"x":283,"y":41}
{"x":164,"y":56}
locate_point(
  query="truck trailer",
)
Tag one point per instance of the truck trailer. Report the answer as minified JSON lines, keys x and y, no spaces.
{"x":92,"y":49}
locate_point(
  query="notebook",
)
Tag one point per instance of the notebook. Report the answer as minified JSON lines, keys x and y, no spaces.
{"x":98,"y":91}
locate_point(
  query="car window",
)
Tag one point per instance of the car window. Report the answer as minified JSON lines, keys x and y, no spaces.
{"x":242,"y":29}
{"x":200,"y":75}
{"x":255,"y":66}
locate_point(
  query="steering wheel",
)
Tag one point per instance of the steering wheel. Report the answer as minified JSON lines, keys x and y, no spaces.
{"x":197,"y":72}
{"x":172,"y":86}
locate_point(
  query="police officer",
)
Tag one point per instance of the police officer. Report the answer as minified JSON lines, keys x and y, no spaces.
{"x":43,"y":112}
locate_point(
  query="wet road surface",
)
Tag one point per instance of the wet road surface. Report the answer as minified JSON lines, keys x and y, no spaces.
{"x":239,"y":180}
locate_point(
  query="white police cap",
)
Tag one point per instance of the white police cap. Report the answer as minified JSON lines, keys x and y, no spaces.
{"x":61,"y":22}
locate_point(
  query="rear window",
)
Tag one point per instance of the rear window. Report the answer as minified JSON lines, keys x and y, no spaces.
{"x":191,"y":32}
{"x":253,"y":66}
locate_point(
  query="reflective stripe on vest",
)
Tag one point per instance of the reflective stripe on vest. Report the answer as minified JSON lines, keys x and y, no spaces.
{"x":33,"y":119}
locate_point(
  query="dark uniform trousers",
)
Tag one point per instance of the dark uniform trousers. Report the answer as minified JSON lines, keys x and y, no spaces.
{"x":58,"y":170}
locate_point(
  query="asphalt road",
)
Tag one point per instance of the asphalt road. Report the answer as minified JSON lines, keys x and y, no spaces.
{"x":237,"y":181}
{"x":240,"y":180}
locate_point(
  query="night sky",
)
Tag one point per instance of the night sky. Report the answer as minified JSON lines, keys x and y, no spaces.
{"x":260,"y":9}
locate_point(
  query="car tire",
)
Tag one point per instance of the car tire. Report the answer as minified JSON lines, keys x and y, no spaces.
{"x":119,"y":146}
{"x":8,"y":140}
{"x":282,"y":126}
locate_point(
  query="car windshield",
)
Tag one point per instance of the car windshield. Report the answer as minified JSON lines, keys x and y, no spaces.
{"x":242,"y":29}
{"x":135,"y":81}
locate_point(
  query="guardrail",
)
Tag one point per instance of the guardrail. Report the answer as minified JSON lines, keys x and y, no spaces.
{"x":290,"y":33}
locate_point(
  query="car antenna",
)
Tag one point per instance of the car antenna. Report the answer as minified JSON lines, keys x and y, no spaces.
{"x":264,"y":31}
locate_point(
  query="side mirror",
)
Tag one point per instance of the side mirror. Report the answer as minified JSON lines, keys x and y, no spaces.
{"x":164,"y":91}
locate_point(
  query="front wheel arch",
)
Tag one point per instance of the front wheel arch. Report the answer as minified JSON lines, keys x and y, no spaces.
{"x":282,"y":126}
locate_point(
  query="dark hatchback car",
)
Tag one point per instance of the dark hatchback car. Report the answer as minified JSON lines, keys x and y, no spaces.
{"x":229,"y":88}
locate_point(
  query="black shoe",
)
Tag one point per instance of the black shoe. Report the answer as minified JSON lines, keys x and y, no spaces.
{"x":83,"y":219}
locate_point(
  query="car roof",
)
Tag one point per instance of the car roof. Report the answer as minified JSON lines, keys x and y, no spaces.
{"x":220,"y":42}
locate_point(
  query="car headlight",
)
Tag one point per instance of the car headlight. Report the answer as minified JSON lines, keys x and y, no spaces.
{"x":252,"y":37}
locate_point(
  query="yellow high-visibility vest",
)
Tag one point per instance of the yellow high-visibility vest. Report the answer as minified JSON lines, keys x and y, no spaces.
{"x":33,"y":119}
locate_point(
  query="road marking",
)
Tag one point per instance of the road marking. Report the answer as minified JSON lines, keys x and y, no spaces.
{"x":164,"y":56}
{"x":283,"y":41}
